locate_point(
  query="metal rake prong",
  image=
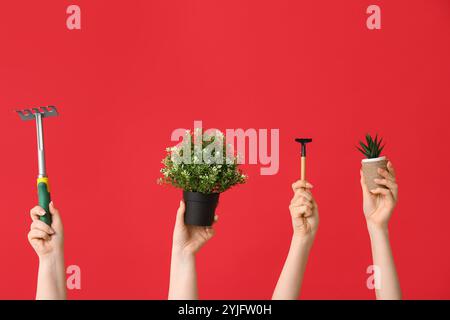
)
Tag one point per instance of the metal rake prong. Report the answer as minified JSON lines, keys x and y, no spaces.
{"x":25,"y":114}
{"x":45,"y":112}
{"x":49,"y":111}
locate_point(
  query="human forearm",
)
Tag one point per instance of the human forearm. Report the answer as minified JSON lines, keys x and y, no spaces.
{"x":183,"y":276}
{"x":389,"y":286}
{"x":51,"y":278}
{"x":291,"y":277}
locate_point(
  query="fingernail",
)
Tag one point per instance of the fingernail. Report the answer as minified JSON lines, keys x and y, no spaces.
{"x":52,"y":231}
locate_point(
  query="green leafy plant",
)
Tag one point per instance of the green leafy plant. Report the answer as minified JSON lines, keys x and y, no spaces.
{"x":372,"y":148}
{"x":217,"y":173}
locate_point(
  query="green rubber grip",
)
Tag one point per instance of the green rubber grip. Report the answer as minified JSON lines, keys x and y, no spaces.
{"x":44,"y":202}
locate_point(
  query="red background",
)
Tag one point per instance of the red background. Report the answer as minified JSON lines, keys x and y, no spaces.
{"x":139,"y":69}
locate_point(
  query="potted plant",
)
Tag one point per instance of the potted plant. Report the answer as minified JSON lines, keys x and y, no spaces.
{"x":203,"y":167}
{"x":372,"y":150}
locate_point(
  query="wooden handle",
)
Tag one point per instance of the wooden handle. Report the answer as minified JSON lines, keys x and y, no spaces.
{"x":303,"y":169}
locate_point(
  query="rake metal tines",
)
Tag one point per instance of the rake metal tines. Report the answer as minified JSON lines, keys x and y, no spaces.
{"x":30,"y":114}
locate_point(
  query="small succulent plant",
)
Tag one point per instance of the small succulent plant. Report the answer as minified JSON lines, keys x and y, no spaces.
{"x":372,"y":148}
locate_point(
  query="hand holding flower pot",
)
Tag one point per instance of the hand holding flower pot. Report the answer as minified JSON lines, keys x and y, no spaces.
{"x":379,"y":203}
{"x":373,"y":162}
{"x":202,"y":166}
{"x":190,"y":239}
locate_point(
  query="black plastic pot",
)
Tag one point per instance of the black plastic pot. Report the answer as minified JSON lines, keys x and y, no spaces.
{"x":200,"y":208}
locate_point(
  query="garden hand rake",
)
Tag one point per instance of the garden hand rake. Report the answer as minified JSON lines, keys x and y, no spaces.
{"x":303,"y":141}
{"x":38,"y":114}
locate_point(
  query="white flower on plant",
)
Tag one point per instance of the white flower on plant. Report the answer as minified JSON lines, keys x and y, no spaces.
{"x":185,"y":173}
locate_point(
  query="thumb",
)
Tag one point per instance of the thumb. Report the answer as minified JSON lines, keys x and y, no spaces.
{"x":56,"y":218}
{"x":180,"y":213}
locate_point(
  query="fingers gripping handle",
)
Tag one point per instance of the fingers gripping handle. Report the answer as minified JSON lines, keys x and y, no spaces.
{"x":44,"y":199}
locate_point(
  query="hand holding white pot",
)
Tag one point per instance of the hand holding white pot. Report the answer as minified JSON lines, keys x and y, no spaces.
{"x":189,"y":239}
{"x":379,"y":203}
{"x":304,"y":211}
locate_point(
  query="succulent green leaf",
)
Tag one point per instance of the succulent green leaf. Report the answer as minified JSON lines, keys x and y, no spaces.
{"x":365,"y":148}
{"x":362,"y":151}
{"x":373,"y":147}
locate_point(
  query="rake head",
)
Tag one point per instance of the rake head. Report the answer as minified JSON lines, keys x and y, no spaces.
{"x":30,"y":114}
{"x":303,"y":141}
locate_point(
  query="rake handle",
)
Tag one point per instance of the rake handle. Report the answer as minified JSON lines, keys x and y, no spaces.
{"x":44,"y":199}
{"x":303,"y":169}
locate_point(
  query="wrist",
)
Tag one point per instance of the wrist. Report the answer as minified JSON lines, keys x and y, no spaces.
{"x":377,"y":228}
{"x":377,"y":231}
{"x":52,"y":258}
{"x":302,"y":240}
{"x":182,"y":253}
{"x":51,"y":277}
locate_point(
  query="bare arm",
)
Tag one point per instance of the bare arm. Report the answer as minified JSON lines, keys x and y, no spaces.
{"x":378,"y":206}
{"x":305,"y":220}
{"x":51,"y":279}
{"x":291,"y":277}
{"x":382,"y":258}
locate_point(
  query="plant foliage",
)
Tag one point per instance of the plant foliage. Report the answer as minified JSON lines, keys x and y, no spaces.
{"x":210,"y":167}
{"x":372,"y":148}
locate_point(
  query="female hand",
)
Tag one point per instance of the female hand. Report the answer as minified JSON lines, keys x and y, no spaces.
{"x":190,"y":239}
{"x":379,"y":203}
{"x":305,"y":221}
{"x":304,"y":211}
{"x":46,"y":240}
